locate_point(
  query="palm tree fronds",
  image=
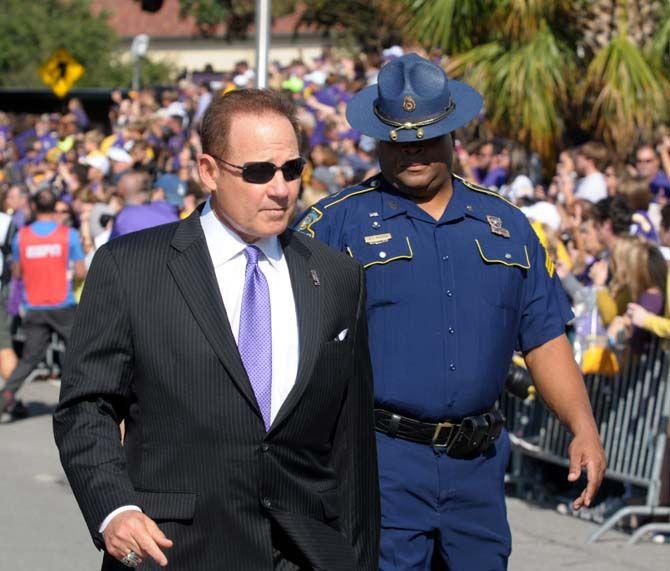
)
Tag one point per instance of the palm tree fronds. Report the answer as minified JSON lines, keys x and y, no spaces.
{"x":525,"y":87}
{"x":625,"y":93}
{"x":449,"y":25}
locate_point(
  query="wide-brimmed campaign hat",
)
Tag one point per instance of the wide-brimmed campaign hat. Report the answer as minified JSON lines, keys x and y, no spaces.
{"x":413,"y":100}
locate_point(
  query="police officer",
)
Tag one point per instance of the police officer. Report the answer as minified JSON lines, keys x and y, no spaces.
{"x":457,"y":280}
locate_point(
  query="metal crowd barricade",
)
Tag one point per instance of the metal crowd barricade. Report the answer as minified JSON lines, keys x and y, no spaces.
{"x":632,"y":411}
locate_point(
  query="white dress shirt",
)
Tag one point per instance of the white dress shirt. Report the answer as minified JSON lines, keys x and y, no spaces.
{"x":227,"y":252}
{"x":226,"y":249}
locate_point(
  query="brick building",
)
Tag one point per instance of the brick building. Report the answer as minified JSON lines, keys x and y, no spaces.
{"x":178,"y":40}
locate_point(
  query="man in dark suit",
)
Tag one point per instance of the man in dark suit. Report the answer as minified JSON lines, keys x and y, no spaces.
{"x":236,"y":353}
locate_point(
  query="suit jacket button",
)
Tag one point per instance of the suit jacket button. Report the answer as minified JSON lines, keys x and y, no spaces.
{"x":265,"y":447}
{"x":267,"y":503}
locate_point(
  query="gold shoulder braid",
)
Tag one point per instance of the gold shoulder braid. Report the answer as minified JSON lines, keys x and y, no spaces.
{"x":483,"y":190}
{"x":374,"y":184}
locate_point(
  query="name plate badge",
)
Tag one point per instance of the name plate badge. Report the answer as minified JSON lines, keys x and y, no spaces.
{"x":378,"y":239}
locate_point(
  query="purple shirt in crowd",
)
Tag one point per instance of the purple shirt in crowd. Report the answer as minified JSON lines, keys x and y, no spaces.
{"x":493,"y":178}
{"x":660,"y":184}
{"x":653,"y":302}
{"x":643,"y":226}
{"x":136,"y":217}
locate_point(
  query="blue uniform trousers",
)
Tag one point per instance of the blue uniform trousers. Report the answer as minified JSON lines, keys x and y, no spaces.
{"x":437,"y":507}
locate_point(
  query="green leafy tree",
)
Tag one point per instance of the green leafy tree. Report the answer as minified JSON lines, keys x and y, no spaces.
{"x":237,"y":16}
{"x":32,"y":30}
{"x":359,"y":24}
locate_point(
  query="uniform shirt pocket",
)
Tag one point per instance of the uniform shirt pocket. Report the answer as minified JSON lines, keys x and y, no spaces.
{"x":384,"y":257}
{"x":504,"y":264}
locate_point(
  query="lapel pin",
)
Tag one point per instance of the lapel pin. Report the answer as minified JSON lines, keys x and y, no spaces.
{"x":315,"y":277}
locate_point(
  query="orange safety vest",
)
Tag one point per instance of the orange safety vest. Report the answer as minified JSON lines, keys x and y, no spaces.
{"x":44,"y":265}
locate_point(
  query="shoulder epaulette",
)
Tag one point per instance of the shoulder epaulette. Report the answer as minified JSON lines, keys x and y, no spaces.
{"x":351,"y":191}
{"x":484,"y":190}
{"x":315,"y":212}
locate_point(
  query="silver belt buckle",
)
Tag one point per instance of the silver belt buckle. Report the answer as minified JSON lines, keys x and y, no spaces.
{"x":438,"y":430}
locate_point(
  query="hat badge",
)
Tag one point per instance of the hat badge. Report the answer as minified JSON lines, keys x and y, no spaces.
{"x":408,"y":103}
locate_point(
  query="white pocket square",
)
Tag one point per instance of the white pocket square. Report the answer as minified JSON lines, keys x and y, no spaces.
{"x":342,"y":335}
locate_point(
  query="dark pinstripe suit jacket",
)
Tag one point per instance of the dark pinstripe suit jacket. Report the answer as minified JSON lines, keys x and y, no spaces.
{"x":152,"y":345}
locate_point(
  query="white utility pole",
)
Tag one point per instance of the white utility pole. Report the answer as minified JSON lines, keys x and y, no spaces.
{"x":263,"y":24}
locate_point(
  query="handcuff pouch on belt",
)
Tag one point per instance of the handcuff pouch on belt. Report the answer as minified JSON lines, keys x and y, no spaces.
{"x":473,"y":435}
{"x":466,"y":439}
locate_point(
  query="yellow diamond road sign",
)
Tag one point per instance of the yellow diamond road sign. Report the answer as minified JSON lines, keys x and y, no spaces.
{"x":61,"y":71}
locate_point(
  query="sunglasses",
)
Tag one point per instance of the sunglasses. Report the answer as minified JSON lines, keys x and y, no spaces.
{"x":262,"y":172}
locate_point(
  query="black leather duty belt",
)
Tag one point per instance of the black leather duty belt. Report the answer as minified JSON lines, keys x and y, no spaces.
{"x":462,"y":439}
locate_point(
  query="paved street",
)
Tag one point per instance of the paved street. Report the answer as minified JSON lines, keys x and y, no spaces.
{"x":41,"y":528}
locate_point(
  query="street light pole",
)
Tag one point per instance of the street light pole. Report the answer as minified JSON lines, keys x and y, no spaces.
{"x":263,"y":21}
{"x":138,"y":50}
{"x":137,"y":73}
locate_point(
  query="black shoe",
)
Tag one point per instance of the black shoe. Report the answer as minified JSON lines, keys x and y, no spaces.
{"x":6,"y":401}
{"x":19,"y":410}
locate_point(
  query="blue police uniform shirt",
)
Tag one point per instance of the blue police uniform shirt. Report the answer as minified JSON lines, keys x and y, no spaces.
{"x":448,"y":300}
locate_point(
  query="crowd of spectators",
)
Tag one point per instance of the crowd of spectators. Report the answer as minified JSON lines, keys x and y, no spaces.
{"x":605,"y":223}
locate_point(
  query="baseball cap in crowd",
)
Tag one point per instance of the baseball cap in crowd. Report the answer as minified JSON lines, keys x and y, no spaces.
{"x":176,"y":109}
{"x":172,"y":186}
{"x":293,"y":84}
{"x":317,"y":77}
{"x":244,"y":79}
{"x":545,"y":213}
{"x":520,"y":188}
{"x":119,"y":155}
{"x":96,"y":160}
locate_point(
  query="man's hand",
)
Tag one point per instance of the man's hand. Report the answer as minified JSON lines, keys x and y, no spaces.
{"x":559,"y":382}
{"x":133,"y":531}
{"x":586,"y":451}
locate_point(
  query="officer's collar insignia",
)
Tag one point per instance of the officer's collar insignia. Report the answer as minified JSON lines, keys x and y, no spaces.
{"x":378,"y":239}
{"x":408,"y":103}
{"x":496,"y":226}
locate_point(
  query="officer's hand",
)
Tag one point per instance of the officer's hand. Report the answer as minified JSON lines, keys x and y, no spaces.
{"x":586,"y":451}
{"x":133,"y":531}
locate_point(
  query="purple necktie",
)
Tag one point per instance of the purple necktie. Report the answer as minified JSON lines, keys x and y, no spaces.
{"x":255,"y":336}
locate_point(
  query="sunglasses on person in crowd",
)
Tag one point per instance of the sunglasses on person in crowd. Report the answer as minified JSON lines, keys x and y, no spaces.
{"x":262,"y":172}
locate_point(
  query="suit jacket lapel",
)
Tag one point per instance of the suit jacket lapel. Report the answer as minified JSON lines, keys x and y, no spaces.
{"x":193,"y":271}
{"x":308,"y":307}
